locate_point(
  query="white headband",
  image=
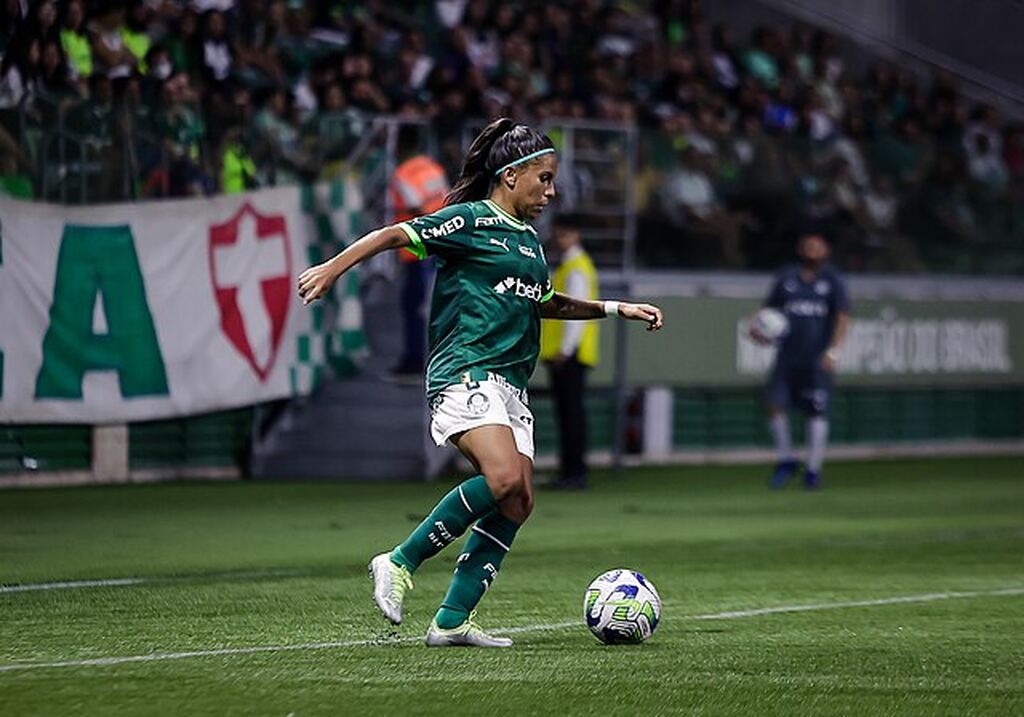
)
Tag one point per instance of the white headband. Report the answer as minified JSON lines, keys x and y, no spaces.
{"x":527,"y":158}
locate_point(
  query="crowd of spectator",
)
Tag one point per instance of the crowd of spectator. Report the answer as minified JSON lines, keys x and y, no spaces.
{"x":743,"y":138}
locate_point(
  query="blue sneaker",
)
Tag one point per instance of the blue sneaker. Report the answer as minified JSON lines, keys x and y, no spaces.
{"x":812,"y":480}
{"x":784,"y":470}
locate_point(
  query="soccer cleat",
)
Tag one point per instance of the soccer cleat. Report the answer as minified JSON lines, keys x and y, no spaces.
{"x":812,"y":480}
{"x":468,"y":634}
{"x":784,"y":470}
{"x":390,"y":581}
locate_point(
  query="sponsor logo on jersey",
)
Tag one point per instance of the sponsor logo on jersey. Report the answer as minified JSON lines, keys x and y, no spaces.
{"x":488,"y":221}
{"x":527,"y":251}
{"x":806,"y":307}
{"x":516,"y":286}
{"x":503,"y":243}
{"x":442,"y":230}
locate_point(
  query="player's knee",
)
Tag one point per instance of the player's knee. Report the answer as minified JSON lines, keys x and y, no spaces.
{"x":504,"y":480}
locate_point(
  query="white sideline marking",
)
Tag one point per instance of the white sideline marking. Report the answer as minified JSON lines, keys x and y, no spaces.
{"x":927,"y":597}
{"x":71,"y":584}
{"x":121,"y":582}
{"x":728,"y":615}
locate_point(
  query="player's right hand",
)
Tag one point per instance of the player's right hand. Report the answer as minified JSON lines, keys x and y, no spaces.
{"x":315,"y":281}
{"x":757,"y":337}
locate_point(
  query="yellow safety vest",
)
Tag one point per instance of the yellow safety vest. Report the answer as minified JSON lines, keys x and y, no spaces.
{"x":78,"y":51}
{"x":551,"y":329}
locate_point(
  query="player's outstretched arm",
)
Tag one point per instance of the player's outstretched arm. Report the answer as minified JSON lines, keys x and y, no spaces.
{"x":317,"y":280}
{"x":563,"y":306}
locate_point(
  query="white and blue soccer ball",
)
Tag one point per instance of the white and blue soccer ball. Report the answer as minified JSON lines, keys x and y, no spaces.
{"x":622,"y":607}
{"x":770,"y":324}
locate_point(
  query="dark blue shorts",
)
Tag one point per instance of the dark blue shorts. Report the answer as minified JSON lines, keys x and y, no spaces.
{"x":808,"y":388}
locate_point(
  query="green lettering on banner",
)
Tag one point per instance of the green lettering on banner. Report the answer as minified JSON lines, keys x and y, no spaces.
{"x":100,"y":260}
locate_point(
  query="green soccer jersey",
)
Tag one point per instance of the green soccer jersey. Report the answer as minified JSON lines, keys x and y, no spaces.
{"x":492,"y":278}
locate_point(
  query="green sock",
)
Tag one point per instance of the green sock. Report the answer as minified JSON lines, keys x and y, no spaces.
{"x":476,"y":568}
{"x":449,"y":520}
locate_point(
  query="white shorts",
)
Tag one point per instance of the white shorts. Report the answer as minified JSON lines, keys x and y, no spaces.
{"x":489,"y":402}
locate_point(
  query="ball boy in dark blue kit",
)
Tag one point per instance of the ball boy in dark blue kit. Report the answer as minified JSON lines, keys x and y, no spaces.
{"x":814,"y":300}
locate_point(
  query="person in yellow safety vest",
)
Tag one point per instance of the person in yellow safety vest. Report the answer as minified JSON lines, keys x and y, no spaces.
{"x":135,"y":37}
{"x":237,"y":169}
{"x":418,"y":186}
{"x":569,"y":349}
{"x":75,"y":42}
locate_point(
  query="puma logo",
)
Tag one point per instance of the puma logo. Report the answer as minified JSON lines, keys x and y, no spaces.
{"x":503,"y":243}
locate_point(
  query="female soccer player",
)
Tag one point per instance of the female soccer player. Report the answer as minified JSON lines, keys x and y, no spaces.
{"x":491,"y":291}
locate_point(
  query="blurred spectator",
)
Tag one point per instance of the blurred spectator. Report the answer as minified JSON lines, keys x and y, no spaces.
{"x":237,"y":168}
{"x":481,"y":41}
{"x":889,"y":250}
{"x":218,"y":56}
{"x":135,"y":36}
{"x":334,"y":127}
{"x":13,"y":182}
{"x":985,"y":166}
{"x":12,"y":18}
{"x":76,"y":44}
{"x":92,"y":125}
{"x":183,"y":131}
{"x":182,"y":45}
{"x":54,"y":79}
{"x":760,"y":58}
{"x":724,"y":60}
{"x":692,"y":204}
{"x":19,"y":72}
{"x":42,"y":20}
{"x":110,"y":54}
{"x":984,"y":122}
{"x":902,"y":152}
{"x":275,"y":125}
{"x":257,"y":48}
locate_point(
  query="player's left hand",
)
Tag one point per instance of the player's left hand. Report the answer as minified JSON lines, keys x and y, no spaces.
{"x":642,"y":312}
{"x":828,"y":363}
{"x":315,"y":281}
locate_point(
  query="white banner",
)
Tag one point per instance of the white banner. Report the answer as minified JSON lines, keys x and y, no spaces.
{"x":901,"y":346}
{"x":139,"y":311}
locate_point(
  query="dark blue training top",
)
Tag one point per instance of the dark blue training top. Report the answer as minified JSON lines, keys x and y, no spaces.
{"x":811,"y":309}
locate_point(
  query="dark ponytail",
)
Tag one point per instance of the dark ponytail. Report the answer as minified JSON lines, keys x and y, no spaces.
{"x":500,"y":142}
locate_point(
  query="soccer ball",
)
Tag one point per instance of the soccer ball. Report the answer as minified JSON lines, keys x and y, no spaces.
{"x":770,"y":324}
{"x":622,"y":607}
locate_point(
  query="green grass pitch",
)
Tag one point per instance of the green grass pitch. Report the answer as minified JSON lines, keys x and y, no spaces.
{"x":254,"y":599}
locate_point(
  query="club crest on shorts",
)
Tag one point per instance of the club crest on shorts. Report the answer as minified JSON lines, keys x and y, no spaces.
{"x":477,"y":403}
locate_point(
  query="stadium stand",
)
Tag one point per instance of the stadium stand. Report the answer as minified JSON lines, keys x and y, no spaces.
{"x":742,"y":139}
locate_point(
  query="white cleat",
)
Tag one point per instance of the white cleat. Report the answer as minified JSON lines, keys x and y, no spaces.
{"x":390,"y":583}
{"x":468,"y":634}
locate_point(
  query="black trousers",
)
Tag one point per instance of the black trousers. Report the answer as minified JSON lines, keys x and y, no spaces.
{"x":568,"y":388}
